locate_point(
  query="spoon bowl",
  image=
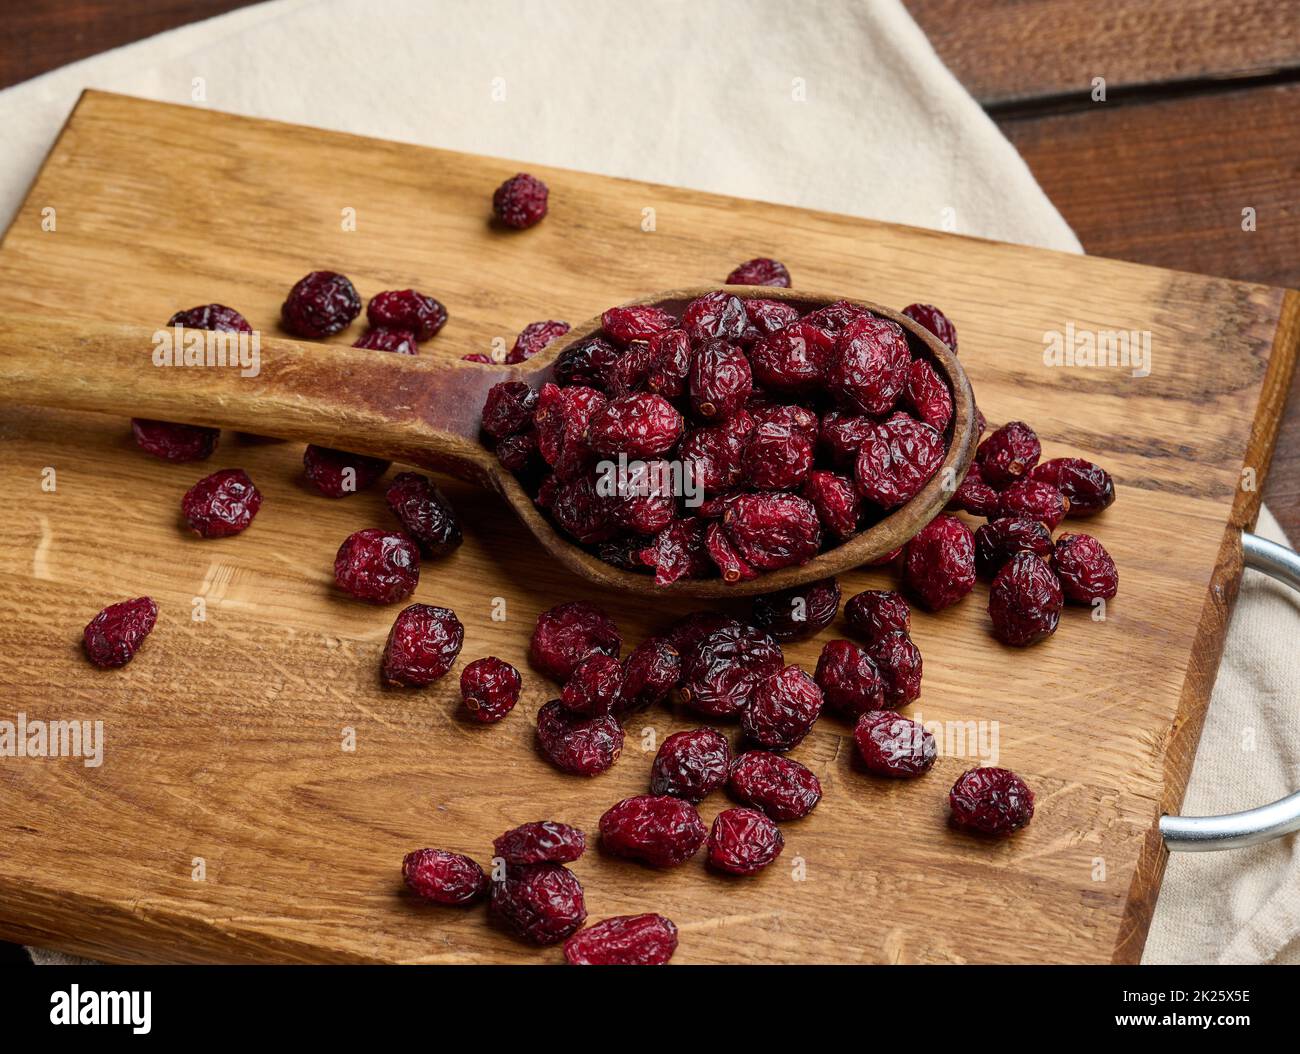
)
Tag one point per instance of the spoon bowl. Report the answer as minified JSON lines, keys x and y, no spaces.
{"x":421,"y":410}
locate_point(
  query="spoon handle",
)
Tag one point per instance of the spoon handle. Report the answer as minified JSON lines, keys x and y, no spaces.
{"x":401,"y":407}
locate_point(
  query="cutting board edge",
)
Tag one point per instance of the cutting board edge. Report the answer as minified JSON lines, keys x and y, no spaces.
{"x":1212,"y":632}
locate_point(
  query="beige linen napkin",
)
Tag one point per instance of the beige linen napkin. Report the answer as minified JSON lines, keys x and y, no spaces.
{"x":722,"y":95}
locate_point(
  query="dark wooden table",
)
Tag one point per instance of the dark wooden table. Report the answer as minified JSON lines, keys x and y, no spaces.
{"x":1199,"y":122}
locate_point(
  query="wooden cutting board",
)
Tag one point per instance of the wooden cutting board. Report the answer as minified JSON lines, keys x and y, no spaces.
{"x":229,"y":822}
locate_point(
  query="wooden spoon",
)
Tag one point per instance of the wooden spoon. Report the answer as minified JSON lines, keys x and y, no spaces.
{"x":422,"y":410}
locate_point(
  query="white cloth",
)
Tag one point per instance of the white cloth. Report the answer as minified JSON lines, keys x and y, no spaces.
{"x":732,"y":96}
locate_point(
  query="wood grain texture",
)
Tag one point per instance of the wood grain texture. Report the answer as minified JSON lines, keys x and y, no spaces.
{"x":42,"y":35}
{"x":223,"y":736}
{"x":1014,"y":50}
{"x":1121,"y":176}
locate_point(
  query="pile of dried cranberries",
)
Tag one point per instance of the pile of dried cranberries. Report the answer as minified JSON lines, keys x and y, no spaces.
{"x":738,"y":437}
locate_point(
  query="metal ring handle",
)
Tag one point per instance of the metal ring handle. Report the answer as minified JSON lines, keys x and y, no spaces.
{"x":1201,"y":834}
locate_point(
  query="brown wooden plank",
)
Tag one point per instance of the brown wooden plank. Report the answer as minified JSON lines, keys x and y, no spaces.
{"x":1014,"y":50}
{"x":225,"y":735}
{"x":41,"y":35}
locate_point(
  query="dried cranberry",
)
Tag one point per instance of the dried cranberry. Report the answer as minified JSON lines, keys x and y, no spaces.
{"x":336,"y":473}
{"x":216,"y":317}
{"x":719,"y":380}
{"x":541,"y":903}
{"x":518,"y":453}
{"x":800,"y":612}
{"x":406,"y":309}
{"x":508,"y":408}
{"x":773,"y":530}
{"x":1008,"y":454}
{"x":221,"y":504}
{"x":650,"y":512}
{"x":975,"y":496}
{"x":320,"y":304}
{"x":1086,"y":486}
{"x":834,"y":317}
{"x":398,"y":341}
{"x":638,"y":425}
{"x":794,"y":359}
{"x":998,"y":541}
{"x":174,"y":442}
{"x":836,"y":502}
{"x":425,"y":512}
{"x":624,"y":940}
{"x":584,"y":746}
{"x":782,"y":710}
{"x":378,"y":566}
{"x":760,"y":271}
{"x":990,"y":801}
{"x":767,"y":317}
{"x":422,"y":645}
{"x":779,"y":787}
{"x":656,"y":829}
{"x":624,"y":553}
{"x":479,"y":357}
{"x":776,"y":457}
{"x":722,"y":552}
{"x":679,"y":551}
{"x":899,"y":663}
{"x":520,"y":201}
{"x":629,"y":374}
{"x":113,"y":636}
{"x":645,"y":514}
{"x":868,"y":370}
{"x":799,"y":419}
{"x":636,"y":322}
{"x":890,"y":745}
{"x":649,"y":673}
{"x":489,"y":688}
{"x":533,"y":338}
{"x":842,"y":436}
{"x":1086,"y":571}
{"x":715,"y":316}
{"x":928,"y":395}
{"x":691,"y":764}
{"x":582,"y":511}
{"x":594,"y":687}
{"x":725,"y":667}
{"x":443,"y":877}
{"x":743,"y":841}
{"x":585,"y":363}
{"x":561,"y":420}
{"x":540,"y":842}
{"x":714,"y":454}
{"x":935,"y":321}
{"x":850,"y":682}
{"x":896,"y":460}
{"x":939,"y":563}
{"x":669,"y":362}
{"x":1025,"y":601}
{"x":567,"y":634}
{"x":1033,"y":500}
{"x":689,"y":631}
{"x":875,"y":612}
